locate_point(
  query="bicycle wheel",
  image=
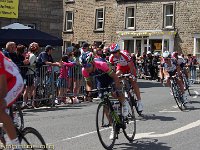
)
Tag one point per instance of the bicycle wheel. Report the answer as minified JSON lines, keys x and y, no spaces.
{"x":186,"y":85}
{"x":30,"y":138}
{"x":177,"y":96}
{"x":129,"y":122}
{"x":105,"y":125}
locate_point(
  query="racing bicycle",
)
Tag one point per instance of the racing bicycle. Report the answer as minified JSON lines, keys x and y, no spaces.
{"x":109,"y":119}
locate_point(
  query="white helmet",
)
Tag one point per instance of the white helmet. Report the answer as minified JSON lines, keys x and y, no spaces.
{"x":166,"y":54}
{"x":148,"y":52}
{"x":156,"y":54}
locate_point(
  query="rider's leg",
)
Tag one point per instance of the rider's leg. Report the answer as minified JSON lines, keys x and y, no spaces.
{"x":136,"y":89}
{"x":8,"y":125}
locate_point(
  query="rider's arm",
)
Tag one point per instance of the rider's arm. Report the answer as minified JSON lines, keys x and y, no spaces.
{"x":116,"y":79}
{"x":132,"y":68}
{"x":3,"y":86}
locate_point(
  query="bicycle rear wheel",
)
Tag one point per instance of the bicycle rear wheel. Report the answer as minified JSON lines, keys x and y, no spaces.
{"x":177,"y":96}
{"x":105,"y":125}
{"x":129,"y":122}
{"x":30,"y":138}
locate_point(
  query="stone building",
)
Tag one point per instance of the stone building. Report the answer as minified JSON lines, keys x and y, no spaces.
{"x":44,"y":15}
{"x":137,"y":25}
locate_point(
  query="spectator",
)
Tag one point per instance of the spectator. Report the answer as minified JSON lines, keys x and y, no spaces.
{"x":30,"y":88}
{"x":21,"y":57}
{"x":45,"y":58}
{"x":10,"y":52}
{"x":192,"y":62}
{"x":85,"y":48}
{"x":62,"y":79}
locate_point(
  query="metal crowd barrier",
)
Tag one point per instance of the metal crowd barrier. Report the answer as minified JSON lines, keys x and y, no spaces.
{"x":42,"y":84}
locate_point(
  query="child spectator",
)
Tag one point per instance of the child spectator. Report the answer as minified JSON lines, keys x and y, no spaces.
{"x":62,"y":79}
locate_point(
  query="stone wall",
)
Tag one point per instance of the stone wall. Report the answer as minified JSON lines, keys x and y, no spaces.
{"x":149,"y":16}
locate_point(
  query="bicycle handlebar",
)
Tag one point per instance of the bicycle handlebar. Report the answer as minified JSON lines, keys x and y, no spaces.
{"x":100,"y":89}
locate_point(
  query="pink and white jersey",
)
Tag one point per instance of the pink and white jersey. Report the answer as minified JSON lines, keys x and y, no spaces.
{"x":101,"y":67}
{"x":123,"y":60}
{"x":14,"y":80}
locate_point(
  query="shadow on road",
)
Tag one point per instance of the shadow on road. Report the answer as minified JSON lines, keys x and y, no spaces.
{"x":154,"y":117}
{"x":149,"y":84}
{"x":143,"y":144}
{"x":56,"y":108}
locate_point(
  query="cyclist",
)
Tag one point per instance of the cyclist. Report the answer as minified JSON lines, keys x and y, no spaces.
{"x":11,"y":86}
{"x":169,"y":67}
{"x":105,"y":77}
{"x":124,"y":65}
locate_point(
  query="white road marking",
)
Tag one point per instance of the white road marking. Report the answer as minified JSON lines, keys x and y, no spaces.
{"x":181,"y":129}
{"x":170,"y":111}
{"x":142,"y":135}
{"x":197,"y":94}
{"x":175,"y":106}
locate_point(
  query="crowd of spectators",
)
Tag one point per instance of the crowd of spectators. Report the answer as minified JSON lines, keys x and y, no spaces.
{"x":69,"y":77}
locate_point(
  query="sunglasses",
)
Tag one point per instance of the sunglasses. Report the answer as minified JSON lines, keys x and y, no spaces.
{"x":113,"y":52}
{"x":87,"y":65}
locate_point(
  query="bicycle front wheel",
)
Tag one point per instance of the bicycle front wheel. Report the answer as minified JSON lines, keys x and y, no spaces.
{"x":105,"y":126}
{"x":30,"y":138}
{"x":177,"y":96}
{"x":129,"y":122}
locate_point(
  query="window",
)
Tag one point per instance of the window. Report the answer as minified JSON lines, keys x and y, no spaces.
{"x":65,"y":46}
{"x":81,"y":42}
{"x":69,"y":1}
{"x":99,"y":23}
{"x":98,"y":43}
{"x":198,"y":49}
{"x":130,"y":18}
{"x":68,"y":21}
{"x":168,"y":16}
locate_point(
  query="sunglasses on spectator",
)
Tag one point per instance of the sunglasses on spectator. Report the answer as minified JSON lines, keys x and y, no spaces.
{"x":87,"y":65}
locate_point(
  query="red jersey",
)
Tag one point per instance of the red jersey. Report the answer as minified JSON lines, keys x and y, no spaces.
{"x":14,"y":80}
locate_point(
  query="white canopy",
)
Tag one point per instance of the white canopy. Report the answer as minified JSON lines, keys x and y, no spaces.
{"x":16,"y":26}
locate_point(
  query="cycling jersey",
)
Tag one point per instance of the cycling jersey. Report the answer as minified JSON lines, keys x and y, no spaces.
{"x":14,"y":80}
{"x":121,"y":62}
{"x":170,"y":69}
{"x":101,"y":73}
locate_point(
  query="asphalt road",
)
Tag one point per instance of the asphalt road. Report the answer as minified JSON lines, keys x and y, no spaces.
{"x":163,"y":127}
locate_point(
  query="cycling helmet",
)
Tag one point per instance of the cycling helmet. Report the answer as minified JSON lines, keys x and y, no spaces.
{"x":148,"y":52}
{"x":166,"y":54}
{"x":114,"y":48}
{"x":86,"y":58}
{"x":174,"y":54}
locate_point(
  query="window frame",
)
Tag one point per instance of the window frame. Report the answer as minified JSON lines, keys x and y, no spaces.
{"x":66,"y":21}
{"x":169,"y":15}
{"x":102,"y":19}
{"x":126,"y":17}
